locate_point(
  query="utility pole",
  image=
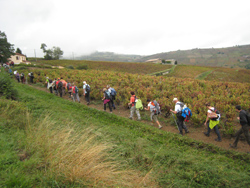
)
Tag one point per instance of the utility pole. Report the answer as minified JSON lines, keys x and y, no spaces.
{"x":35,"y":54}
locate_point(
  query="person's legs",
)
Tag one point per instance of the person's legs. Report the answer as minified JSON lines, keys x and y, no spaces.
{"x":110,"y":106}
{"x":77,"y":97}
{"x":132,"y":111}
{"x":238,"y":133}
{"x":104,"y":106}
{"x":138,"y":114}
{"x":180,"y":124}
{"x":246,"y":133}
{"x":216,"y":129}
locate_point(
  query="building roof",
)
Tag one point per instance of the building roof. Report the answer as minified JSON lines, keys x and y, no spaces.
{"x":19,"y":54}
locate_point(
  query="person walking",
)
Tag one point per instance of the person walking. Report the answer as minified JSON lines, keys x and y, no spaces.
{"x":178,"y":111}
{"x":22,"y":78}
{"x":106,"y":99}
{"x":113,"y":94}
{"x":55,"y":86}
{"x":244,"y":127}
{"x":132,"y":108}
{"x":50,"y":85}
{"x":75,"y":93}
{"x":31,"y":75}
{"x":152,"y":106}
{"x":60,"y":87}
{"x":86,"y":91}
{"x":69,"y":88}
{"x":212,"y":121}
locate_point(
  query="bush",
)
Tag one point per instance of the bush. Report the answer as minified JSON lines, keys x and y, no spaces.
{"x":82,"y":67}
{"x":70,"y":67}
{"x":6,"y":86}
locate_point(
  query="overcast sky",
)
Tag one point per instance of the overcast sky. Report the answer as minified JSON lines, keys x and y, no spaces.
{"x":142,"y":27}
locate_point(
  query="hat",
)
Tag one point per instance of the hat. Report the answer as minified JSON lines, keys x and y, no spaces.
{"x":175,"y":99}
{"x":58,"y":78}
{"x":84,"y":82}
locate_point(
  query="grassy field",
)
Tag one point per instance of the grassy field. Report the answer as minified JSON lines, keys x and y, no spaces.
{"x":42,"y":137}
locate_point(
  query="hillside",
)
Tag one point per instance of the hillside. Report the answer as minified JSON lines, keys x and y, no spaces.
{"x":232,"y":57}
{"x":42,"y":146}
{"x":110,"y":56}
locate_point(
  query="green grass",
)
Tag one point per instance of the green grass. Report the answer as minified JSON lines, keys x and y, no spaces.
{"x":203,"y":75}
{"x":172,"y":160}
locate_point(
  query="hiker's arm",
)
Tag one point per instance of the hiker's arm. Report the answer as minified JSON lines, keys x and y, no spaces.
{"x":206,"y":120}
{"x":175,"y":112}
{"x":147,"y":108}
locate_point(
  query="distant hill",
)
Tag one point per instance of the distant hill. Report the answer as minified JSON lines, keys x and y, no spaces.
{"x":110,"y":56}
{"x":231,"y":57}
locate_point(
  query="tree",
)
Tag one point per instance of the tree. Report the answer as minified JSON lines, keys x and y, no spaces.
{"x":19,"y":51}
{"x":57,"y":52}
{"x":6,"y":49}
{"x":54,"y":53}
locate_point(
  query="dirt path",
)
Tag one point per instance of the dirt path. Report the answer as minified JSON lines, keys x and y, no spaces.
{"x":195,"y":133}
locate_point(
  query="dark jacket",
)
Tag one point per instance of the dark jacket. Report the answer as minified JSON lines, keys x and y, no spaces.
{"x":243,"y":117}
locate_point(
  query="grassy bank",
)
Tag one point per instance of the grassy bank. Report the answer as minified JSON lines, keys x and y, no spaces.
{"x":154,"y":157}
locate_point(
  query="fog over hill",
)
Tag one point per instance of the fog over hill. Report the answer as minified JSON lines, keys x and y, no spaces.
{"x":232,"y":57}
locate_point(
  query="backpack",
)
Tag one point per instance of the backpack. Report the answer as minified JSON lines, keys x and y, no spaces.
{"x":69,"y":86}
{"x":248,"y":117}
{"x":107,"y":94}
{"x":157,"y":107}
{"x":113,"y":92}
{"x":50,"y":81}
{"x":138,"y":104}
{"x":22,"y":75}
{"x":217,"y":112}
{"x":60,"y":85}
{"x":76,"y":89}
{"x":186,"y":113}
{"x":87,"y":89}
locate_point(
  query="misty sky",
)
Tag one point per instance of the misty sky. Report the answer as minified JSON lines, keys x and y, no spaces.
{"x":140,"y":27}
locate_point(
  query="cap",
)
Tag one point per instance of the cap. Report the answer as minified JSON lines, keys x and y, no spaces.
{"x":175,"y":99}
{"x":84,"y":82}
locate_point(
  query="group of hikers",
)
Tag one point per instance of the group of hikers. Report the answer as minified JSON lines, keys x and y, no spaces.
{"x":181,"y":111}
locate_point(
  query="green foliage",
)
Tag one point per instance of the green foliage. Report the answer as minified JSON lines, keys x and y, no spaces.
{"x":172,"y":160}
{"x":70,"y":67}
{"x":82,"y":67}
{"x":7,"y":89}
{"x":247,"y":66}
{"x":6,"y":49}
{"x":54,"y":53}
{"x":18,"y":50}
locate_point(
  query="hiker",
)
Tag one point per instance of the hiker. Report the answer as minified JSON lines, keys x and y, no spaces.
{"x":86,"y":91}
{"x":113,"y":94}
{"x":244,"y":127}
{"x":59,"y":87}
{"x":55,"y":86}
{"x":47,"y":81}
{"x":106,"y":99}
{"x":69,"y":88}
{"x":64,"y":86}
{"x":17,"y":76}
{"x":132,"y":108}
{"x":22,"y":78}
{"x":178,"y":111}
{"x":50,"y":85}
{"x":154,"y":108}
{"x":75,"y":93}
{"x":212,"y":121}
{"x":31,"y":75}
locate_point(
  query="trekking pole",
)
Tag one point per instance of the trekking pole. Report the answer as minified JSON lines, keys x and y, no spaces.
{"x":175,"y":121}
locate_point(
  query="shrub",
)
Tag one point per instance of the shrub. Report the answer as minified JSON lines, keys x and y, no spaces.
{"x":82,"y":67}
{"x":70,"y":67}
{"x":6,"y":86}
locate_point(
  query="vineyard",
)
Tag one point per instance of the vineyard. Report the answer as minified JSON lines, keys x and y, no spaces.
{"x":195,"y":93}
{"x":134,"y":68}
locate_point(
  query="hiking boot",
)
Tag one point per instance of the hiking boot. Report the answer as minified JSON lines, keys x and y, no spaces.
{"x":139,"y":119}
{"x":160,"y":127}
{"x":130,"y":118}
{"x":87,"y":103}
{"x":232,"y":146}
{"x":187,"y":131}
{"x":218,"y":140}
{"x":206,"y":134}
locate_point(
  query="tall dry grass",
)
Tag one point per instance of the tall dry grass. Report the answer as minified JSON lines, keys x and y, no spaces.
{"x":78,"y":156}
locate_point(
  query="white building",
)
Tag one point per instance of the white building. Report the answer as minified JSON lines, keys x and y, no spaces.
{"x":18,"y":58}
